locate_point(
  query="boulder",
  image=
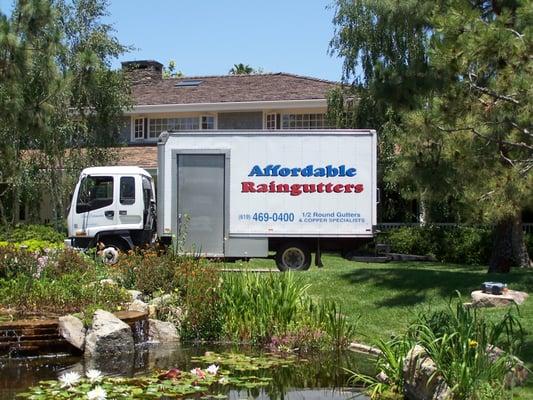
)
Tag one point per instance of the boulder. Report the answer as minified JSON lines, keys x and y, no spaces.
{"x":161,"y":300}
{"x":518,"y":373}
{"x":135,"y":294}
{"x":162,"y":332}
{"x":509,"y":297}
{"x":108,"y":335}
{"x":72,"y":330}
{"x":152,"y":311}
{"x":418,"y":368}
{"x":138,"y":305}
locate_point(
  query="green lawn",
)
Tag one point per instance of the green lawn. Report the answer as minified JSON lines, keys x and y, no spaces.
{"x":387,"y":297}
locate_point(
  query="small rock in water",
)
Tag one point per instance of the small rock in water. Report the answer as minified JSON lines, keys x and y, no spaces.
{"x":162,"y":332}
{"x":72,"y":330}
{"x":108,"y":335}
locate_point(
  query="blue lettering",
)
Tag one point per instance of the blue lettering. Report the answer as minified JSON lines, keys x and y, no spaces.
{"x":256,"y":171}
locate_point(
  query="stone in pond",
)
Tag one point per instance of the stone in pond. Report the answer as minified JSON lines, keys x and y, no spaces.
{"x":162,"y":332}
{"x":509,"y":297}
{"x":72,"y":330}
{"x":108,"y":335}
{"x":135,"y":294}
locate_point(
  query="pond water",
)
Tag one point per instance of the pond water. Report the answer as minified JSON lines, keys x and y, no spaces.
{"x":311,"y":377}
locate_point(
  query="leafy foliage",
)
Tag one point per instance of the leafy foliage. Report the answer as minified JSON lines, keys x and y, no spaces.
{"x":456,"y":75}
{"x":57,"y":282}
{"x":60,"y":103}
{"x":455,"y":244}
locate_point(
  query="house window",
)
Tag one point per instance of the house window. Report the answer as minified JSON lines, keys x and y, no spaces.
{"x":208,"y":122}
{"x":138,"y":128}
{"x":271,"y":121}
{"x":304,"y":121}
{"x":158,"y":125}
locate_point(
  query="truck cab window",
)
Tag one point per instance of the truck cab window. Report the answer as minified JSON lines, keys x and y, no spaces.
{"x":95,"y":192}
{"x":127,"y":190}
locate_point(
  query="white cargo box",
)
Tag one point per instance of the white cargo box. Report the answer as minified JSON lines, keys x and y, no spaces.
{"x":228,"y":192}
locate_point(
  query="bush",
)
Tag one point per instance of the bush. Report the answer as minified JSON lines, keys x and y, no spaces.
{"x":56,"y":282}
{"x":458,"y":340}
{"x":455,"y":244}
{"x":23,"y":233}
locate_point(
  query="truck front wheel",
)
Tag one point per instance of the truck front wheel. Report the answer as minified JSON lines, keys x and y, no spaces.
{"x":293,"y":257}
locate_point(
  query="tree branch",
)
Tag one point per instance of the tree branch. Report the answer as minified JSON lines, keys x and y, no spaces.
{"x":490,"y":92}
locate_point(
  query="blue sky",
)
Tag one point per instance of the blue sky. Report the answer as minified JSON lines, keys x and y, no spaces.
{"x":206,"y":37}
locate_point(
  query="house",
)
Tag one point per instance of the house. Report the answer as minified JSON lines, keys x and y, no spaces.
{"x":259,"y":101}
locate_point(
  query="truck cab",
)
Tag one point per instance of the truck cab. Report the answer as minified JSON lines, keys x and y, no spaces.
{"x":112,"y":209}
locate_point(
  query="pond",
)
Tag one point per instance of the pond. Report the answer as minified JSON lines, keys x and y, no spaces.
{"x":312,"y":377}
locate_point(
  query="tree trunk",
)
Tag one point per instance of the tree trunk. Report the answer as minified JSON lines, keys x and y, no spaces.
{"x":509,"y":248}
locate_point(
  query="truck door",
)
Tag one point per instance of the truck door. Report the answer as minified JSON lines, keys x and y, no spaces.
{"x":201,"y":203}
{"x":95,"y":204}
{"x":130,"y":206}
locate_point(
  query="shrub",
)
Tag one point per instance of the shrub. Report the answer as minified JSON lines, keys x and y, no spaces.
{"x":456,"y":244}
{"x":15,"y":261}
{"x":458,"y":340}
{"x":147,"y":271}
{"x":32,"y":232}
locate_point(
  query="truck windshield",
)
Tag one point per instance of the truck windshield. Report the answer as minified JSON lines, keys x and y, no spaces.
{"x":95,"y":192}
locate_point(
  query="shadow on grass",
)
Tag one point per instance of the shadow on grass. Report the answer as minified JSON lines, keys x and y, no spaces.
{"x":408,"y":285}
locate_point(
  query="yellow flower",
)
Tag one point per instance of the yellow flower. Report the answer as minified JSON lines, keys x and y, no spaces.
{"x":472,"y":343}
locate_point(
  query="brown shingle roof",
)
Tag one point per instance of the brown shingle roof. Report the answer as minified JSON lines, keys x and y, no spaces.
{"x":139,"y":156}
{"x":231,"y":88}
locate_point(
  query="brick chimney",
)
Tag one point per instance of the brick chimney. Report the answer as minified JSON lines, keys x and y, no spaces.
{"x":143,"y":71}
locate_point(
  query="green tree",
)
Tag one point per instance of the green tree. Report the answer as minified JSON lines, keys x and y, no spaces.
{"x":60,"y":103}
{"x":241,"y":69}
{"x":458,"y":74}
{"x":170,"y":71}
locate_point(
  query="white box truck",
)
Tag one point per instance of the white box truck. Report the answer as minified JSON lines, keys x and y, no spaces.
{"x":244,"y":194}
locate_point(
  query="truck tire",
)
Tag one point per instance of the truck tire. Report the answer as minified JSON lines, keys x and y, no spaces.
{"x":293,"y":256}
{"x":110,"y":250}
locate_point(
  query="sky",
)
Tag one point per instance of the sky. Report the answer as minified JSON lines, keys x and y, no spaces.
{"x":206,"y":37}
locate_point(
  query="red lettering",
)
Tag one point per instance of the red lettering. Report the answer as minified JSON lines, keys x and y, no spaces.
{"x":358,"y":188}
{"x":348,"y":188}
{"x":338,"y":188}
{"x":247,"y":187}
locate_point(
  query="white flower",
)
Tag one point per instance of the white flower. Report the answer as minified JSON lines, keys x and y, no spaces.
{"x":93,"y":375}
{"x":97,"y":394}
{"x":223,"y":380}
{"x":212,"y":369}
{"x":196,"y":387}
{"x":69,"y":379}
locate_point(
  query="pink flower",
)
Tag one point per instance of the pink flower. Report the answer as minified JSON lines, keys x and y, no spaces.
{"x":198,"y":372}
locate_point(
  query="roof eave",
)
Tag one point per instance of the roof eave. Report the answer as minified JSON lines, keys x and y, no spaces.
{"x":227,"y":106}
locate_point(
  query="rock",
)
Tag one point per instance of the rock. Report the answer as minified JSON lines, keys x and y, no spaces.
{"x":108,"y":335}
{"x":138,"y":305}
{"x":135,"y":294}
{"x":363,"y":348}
{"x":518,"y":373}
{"x":72,"y":330}
{"x":480,"y":299}
{"x":161,"y":300}
{"x":418,"y":368}
{"x":162,"y":332}
{"x":152,"y":311}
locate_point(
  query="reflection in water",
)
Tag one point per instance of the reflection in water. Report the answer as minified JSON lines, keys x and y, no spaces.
{"x":317,"y":376}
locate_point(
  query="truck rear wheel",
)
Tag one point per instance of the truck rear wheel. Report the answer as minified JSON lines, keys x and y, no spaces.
{"x":110,"y":249}
{"x":293,"y":257}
